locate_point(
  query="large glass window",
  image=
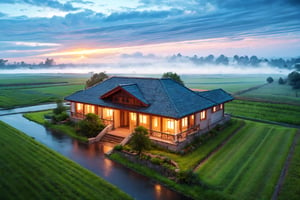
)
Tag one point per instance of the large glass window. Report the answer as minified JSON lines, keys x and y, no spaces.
{"x":108,"y":113}
{"x":89,"y":109}
{"x":156,"y":123}
{"x":79,"y":107}
{"x":168,"y":125}
{"x":144,"y":120}
{"x":184,"y":123}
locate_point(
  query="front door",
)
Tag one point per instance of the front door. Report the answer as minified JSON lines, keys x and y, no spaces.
{"x":124,"y":121}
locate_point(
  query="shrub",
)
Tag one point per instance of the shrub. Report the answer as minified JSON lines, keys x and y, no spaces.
{"x":187,"y":177}
{"x":270,"y":79}
{"x":118,"y":147}
{"x":60,"y":117}
{"x":90,"y":126}
{"x":60,"y":108}
{"x":140,"y":140}
{"x":156,"y":161}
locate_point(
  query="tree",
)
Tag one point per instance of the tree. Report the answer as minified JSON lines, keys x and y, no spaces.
{"x":60,"y":108}
{"x":96,"y":78}
{"x":281,"y":81}
{"x":49,"y":62}
{"x":173,"y":76}
{"x":91,"y":125}
{"x":297,"y":66}
{"x":2,"y":62}
{"x":270,"y":79}
{"x":294,"y":79}
{"x":140,"y":140}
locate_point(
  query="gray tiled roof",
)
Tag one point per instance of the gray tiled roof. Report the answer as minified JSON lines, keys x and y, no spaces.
{"x":165,"y":97}
{"x":218,"y":96}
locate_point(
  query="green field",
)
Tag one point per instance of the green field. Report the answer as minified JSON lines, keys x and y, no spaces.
{"x":30,"y":89}
{"x":290,"y":189}
{"x":275,"y":93}
{"x":29,"y":170}
{"x":266,"y":111}
{"x":190,"y":160}
{"x":248,"y":166}
{"x":230,"y":83}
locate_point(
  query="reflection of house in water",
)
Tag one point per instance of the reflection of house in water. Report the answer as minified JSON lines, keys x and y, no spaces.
{"x":172,"y":113}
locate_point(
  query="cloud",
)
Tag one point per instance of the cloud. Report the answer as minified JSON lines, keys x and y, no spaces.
{"x":42,"y":3}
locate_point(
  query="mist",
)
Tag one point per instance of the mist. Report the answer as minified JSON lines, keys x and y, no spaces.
{"x":138,"y":64}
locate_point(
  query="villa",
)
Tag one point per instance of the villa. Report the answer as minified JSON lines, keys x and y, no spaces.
{"x":172,"y":113}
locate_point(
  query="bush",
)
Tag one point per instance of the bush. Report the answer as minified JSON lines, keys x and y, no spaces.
{"x":270,"y":79}
{"x":60,"y":117}
{"x":156,"y":161}
{"x":90,"y":126}
{"x":140,"y":139}
{"x":118,"y":147}
{"x":187,"y":177}
{"x":60,"y":108}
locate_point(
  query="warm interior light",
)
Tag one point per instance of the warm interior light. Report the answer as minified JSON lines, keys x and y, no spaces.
{"x":133,"y":116}
{"x":79,"y":107}
{"x":170,"y":124}
{"x":203,"y":114}
{"x":184,"y":122}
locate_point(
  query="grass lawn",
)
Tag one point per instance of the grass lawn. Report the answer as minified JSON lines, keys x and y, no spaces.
{"x":29,"y":170}
{"x":190,"y":160}
{"x":38,"y":117}
{"x":265,"y":111}
{"x":249,"y":165}
{"x":290,"y":188}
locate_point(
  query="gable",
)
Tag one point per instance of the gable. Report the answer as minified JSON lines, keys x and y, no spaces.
{"x":128,"y":94}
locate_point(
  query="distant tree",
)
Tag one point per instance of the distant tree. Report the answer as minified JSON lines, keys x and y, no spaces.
{"x":2,"y":62}
{"x":222,"y":60}
{"x":140,"y":140}
{"x":281,"y":81}
{"x":297,"y":66}
{"x":209,"y":59}
{"x":49,"y":62}
{"x":270,"y":79}
{"x":254,"y":61}
{"x":91,"y":125}
{"x":96,"y":78}
{"x":173,"y":76}
{"x":294,"y":79}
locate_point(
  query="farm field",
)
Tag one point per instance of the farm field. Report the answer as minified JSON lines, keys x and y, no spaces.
{"x":275,"y":93}
{"x":229,"y":83}
{"x":32,"y":89}
{"x":248,"y":166}
{"x":29,"y":170}
{"x":190,"y":160}
{"x":265,"y":111}
{"x":290,"y":188}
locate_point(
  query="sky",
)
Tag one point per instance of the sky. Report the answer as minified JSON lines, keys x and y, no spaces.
{"x":90,"y":31}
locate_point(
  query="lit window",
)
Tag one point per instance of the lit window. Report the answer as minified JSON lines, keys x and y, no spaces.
{"x":79,"y":107}
{"x":221,"y":106}
{"x":215,"y":109}
{"x":184,"y":122}
{"x":203,"y":115}
{"x":143,"y":119}
{"x":156,"y":123}
{"x":170,"y":124}
{"x":109,"y":112}
{"x":133,"y":116}
{"x":89,"y":109}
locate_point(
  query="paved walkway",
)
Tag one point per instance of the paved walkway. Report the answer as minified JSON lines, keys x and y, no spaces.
{"x":121,"y":132}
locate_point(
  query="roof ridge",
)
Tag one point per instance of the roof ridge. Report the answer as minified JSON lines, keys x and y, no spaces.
{"x":170,"y":99}
{"x":137,"y":77}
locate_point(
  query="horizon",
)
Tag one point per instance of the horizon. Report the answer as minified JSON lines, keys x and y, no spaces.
{"x":72,"y":31}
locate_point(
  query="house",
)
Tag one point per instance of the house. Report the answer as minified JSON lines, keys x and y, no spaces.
{"x":172,"y":113}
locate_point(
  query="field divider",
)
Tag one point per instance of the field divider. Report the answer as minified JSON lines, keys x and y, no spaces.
{"x":214,"y":151}
{"x":286,"y":166}
{"x":266,"y":121}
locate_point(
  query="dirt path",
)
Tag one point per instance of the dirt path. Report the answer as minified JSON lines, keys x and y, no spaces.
{"x":218,"y":147}
{"x":285,"y":167}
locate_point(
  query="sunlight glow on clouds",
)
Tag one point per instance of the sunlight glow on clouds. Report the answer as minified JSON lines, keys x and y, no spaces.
{"x":81,"y":30}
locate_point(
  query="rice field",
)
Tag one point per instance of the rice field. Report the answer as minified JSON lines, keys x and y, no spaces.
{"x":266,"y":111}
{"x":29,"y":170}
{"x":248,"y":166}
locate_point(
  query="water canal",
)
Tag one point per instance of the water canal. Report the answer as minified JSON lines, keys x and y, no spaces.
{"x":89,"y":156}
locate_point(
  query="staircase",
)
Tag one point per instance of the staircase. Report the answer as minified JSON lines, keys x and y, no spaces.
{"x":112,"y":139}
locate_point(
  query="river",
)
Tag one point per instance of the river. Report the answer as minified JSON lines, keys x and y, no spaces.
{"x":90,"y":156}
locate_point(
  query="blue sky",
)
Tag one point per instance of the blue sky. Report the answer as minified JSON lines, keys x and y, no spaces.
{"x":89,"y":30}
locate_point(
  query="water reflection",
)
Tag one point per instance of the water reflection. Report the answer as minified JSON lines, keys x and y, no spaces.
{"x":92,"y":157}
